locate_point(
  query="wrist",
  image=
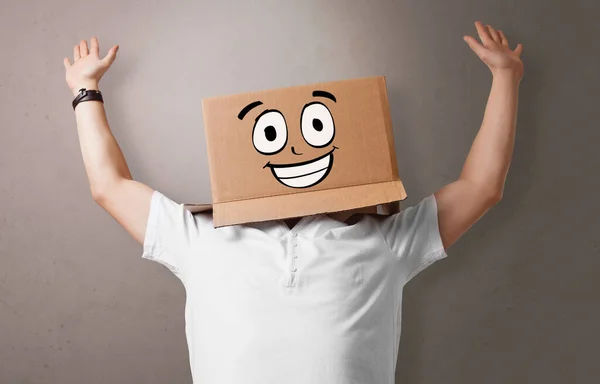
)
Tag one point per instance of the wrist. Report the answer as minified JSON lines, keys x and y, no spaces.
{"x":92,"y":85}
{"x":507,"y":75}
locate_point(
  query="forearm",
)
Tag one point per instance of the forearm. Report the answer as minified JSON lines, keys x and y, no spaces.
{"x":481,"y":183}
{"x":102,"y":157}
{"x":126,"y":200}
{"x":489,"y":159}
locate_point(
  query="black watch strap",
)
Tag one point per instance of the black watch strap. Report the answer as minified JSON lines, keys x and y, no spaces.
{"x":87,"y":95}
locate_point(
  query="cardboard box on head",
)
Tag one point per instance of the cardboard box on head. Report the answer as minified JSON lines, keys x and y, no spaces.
{"x":299,"y":151}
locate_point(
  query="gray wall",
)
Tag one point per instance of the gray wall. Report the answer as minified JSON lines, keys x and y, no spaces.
{"x":517,"y":300}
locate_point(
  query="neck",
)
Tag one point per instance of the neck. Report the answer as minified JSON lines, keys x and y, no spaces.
{"x":291,"y":223}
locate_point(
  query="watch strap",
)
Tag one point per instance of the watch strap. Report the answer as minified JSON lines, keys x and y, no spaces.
{"x":87,"y":95}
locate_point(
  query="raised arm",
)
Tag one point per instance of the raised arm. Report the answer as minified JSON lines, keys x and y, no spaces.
{"x":112,"y":187}
{"x":481,"y":182}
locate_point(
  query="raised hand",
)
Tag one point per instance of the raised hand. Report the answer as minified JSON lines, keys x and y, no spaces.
{"x":495,"y":52}
{"x":88,"y":68}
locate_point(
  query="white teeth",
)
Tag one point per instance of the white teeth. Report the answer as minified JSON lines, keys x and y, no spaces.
{"x":303,"y":175}
{"x":304,"y":181}
{"x":302,"y":170}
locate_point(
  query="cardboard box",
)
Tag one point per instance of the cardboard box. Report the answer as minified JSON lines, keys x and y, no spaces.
{"x":299,"y":151}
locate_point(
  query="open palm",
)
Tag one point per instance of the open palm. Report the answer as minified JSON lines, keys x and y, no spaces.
{"x":494,"y":50}
{"x":88,"y":68}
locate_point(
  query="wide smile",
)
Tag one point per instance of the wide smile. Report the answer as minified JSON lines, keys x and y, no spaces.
{"x":304,"y":174}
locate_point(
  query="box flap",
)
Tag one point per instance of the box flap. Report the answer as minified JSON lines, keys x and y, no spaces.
{"x":308,"y":203}
{"x":196,"y":208}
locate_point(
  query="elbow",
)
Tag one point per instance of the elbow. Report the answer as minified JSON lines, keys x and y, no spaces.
{"x":493,"y":197}
{"x":487,"y":193}
{"x":98,"y":194}
{"x":105,"y":190}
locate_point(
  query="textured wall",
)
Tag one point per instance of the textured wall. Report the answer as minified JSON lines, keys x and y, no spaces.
{"x":517,"y":300}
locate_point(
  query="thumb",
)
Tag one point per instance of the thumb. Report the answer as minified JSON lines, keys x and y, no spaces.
{"x":110,"y":56}
{"x":519,"y":49}
{"x":475,"y":46}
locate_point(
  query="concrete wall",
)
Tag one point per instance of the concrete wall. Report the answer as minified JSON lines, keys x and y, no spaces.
{"x":515,"y":302}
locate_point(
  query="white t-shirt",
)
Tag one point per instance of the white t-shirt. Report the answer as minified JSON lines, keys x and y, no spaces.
{"x":318,"y":304}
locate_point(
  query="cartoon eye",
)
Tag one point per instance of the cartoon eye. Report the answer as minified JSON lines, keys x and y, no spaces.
{"x":270,"y":132}
{"x":317,"y":125}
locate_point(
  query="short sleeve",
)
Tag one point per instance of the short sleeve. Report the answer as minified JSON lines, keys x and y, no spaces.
{"x":413,"y":236}
{"x":171,"y":234}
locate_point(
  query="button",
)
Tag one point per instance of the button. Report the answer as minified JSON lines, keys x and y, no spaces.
{"x":295,"y":245}
{"x":295,"y":234}
{"x":294,"y":269}
{"x":295,"y":256}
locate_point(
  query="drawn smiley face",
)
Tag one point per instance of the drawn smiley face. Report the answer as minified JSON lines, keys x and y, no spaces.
{"x":270,"y":137}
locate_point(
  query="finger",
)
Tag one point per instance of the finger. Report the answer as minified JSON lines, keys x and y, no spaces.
{"x":503,"y":38}
{"x":110,"y":56}
{"x":493,"y":33}
{"x":475,"y":45}
{"x":66,"y":63}
{"x":83,"y":48}
{"x":519,"y":49}
{"x":76,"y":55}
{"x":94,"y":46}
{"x":484,"y":36}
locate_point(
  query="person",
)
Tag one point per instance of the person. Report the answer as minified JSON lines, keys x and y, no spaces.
{"x":337,"y":320}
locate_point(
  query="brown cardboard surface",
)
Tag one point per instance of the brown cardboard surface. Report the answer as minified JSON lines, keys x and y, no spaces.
{"x":308,"y":203}
{"x":300,"y":150}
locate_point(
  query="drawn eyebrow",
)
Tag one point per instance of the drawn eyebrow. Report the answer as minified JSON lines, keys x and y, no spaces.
{"x":247,"y":109}
{"x":324,"y":94}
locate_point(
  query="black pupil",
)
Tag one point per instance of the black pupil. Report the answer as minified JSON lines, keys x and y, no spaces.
{"x":270,"y":133}
{"x":317,"y":125}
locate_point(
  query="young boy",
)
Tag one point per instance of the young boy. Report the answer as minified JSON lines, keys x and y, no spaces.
{"x":307,"y":300}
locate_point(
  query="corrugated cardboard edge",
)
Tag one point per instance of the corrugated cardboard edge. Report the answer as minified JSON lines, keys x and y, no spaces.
{"x":385,"y":104}
{"x":310,"y":203}
{"x":209,"y":148}
{"x":389,"y":208}
{"x":196,"y":208}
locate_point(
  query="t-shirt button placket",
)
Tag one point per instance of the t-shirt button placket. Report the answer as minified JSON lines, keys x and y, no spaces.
{"x":293,"y":268}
